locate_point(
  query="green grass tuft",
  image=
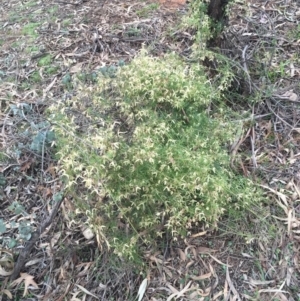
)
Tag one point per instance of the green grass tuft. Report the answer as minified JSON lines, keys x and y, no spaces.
{"x":30,"y":29}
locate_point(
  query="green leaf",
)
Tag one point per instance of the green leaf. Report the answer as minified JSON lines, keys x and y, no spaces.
{"x":20,"y":109}
{"x":38,"y":142}
{"x":12,"y":243}
{"x":57,"y":197}
{"x":103,"y":70}
{"x":50,"y":137}
{"x":2,"y":180}
{"x":2,"y":226}
{"x":13,"y":224}
{"x":66,"y":79}
{"x":17,"y":208}
{"x":25,"y":231}
{"x":42,"y":125}
{"x":121,"y":63}
{"x":14,"y":109}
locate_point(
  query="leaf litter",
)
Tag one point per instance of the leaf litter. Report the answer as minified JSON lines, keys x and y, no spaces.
{"x":83,"y":37}
{"x":27,"y":280}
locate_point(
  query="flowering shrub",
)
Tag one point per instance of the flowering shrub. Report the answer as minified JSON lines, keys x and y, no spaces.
{"x":144,"y":156}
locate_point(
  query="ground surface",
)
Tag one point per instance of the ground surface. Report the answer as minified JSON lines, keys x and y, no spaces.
{"x":48,"y":51}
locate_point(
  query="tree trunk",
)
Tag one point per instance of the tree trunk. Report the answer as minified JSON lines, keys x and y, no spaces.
{"x":216,"y":9}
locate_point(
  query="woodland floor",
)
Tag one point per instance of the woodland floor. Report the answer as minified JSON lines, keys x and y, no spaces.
{"x":48,"y":49}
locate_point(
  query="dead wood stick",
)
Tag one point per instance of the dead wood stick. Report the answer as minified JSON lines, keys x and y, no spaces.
{"x":24,"y":254}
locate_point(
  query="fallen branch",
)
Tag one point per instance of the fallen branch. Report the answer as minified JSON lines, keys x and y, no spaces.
{"x":24,"y":254}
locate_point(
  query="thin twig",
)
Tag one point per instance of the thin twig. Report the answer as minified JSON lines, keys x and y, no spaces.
{"x":252,"y":118}
{"x":236,"y":145}
{"x":270,"y":108}
{"x":24,"y":254}
{"x":65,"y":2}
{"x":252,"y":140}
{"x":246,"y":68}
{"x":9,"y":166}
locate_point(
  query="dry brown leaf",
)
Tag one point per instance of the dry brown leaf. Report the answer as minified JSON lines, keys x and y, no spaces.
{"x":172,"y":4}
{"x":172,"y":288}
{"x":272,"y":290}
{"x":28,"y":280}
{"x":181,"y":293}
{"x":297,"y":130}
{"x":182,"y":255}
{"x":7,"y":293}
{"x":282,"y":297}
{"x":74,"y":295}
{"x":246,"y":255}
{"x":77,"y":54}
{"x":259,"y":282}
{"x":49,"y":87}
{"x":290,"y":272}
{"x":167,"y":271}
{"x":52,"y":170}
{"x":53,"y":242}
{"x":156,"y":260}
{"x":187,"y":249}
{"x":204,"y":250}
{"x":83,"y":268}
{"x":217,"y":295}
{"x":204,"y":293}
{"x":4,"y":272}
{"x":225,"y":290}
{"x":190,"y":263}
{"x":292,"y":67}
{"x":33,"y":262}
{"x":26,"y":165}
{"x":194,"y":252}
{"x":76,"y":68}
{"x":199,"y":234}
{"x":212,"y":270}
{"x":6,"y":264}
{"x":296,"y":189}
{"x":290,"y":95}
{"x":282,"y":196}
{"x":201,"y":277}
{"x":86,"y":291}
{"x":231,"y":286}
{"x":290,"y":220}
{"x":218,"y":261}
{"x":8,"y":252}
{"x":88,"y":233}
